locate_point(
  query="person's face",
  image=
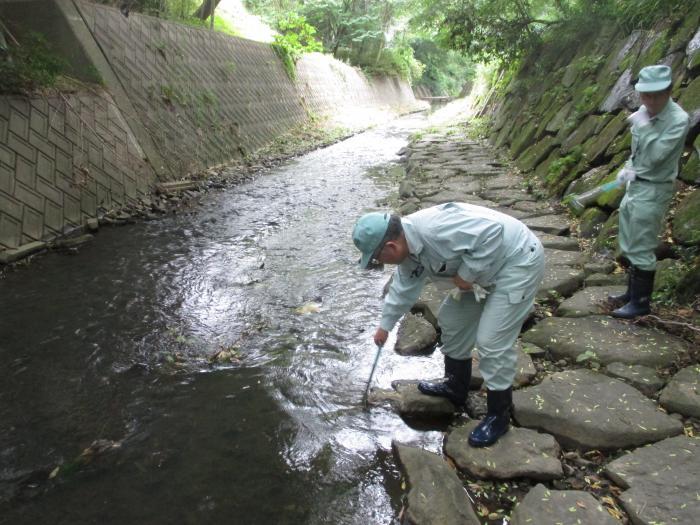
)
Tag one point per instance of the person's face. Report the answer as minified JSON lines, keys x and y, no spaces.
{"x":655,"y":101}
{"x":391,"y":253}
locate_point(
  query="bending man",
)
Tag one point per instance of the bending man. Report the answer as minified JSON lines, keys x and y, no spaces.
{"x":496,"y":264}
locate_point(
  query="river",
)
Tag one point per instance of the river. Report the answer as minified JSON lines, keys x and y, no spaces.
{"x":114,"y":344}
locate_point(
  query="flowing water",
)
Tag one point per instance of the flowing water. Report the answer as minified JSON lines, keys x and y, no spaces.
{"x":114,"y":343}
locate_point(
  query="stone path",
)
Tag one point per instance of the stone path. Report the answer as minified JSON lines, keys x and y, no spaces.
{"x":587,"y":386}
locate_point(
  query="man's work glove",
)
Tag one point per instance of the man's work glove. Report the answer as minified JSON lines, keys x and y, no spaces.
{"x":479,"y":293}
{"x":639,"y":118}
{"x":625,"y":175}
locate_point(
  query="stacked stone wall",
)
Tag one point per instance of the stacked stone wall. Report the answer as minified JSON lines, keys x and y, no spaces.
{"x":562,"y":115}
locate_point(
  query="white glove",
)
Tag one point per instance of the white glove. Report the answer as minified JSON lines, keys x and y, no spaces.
{"x":625,"y":175}
{"x":479,"y":292}
{"x":639,"y":118}
{"x":456,"y":293}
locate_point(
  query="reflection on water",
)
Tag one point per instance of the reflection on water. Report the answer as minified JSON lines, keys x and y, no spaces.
{"x":114,"y":344}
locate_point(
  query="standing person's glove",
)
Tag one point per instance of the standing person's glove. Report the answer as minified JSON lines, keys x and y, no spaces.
{"x":639,"y":118}
{"x":625,"y":175}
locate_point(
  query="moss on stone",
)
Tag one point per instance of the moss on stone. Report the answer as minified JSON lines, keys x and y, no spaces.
{"x":686,"y":222}
{"x":690,"y":172}
{"x":621,"y":143}
{"x":684,"y":32}
{"x":654,"y":53}
{"x":581,"y":133}
{"x":523,"y":138}
{"x":607,"y":236}
{"x":595,"y":148}
{"x":532,"y":156}
{"x":591,"y":223}
{"x":690,"y":99}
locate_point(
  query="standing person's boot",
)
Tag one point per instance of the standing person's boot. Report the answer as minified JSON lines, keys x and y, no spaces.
{"x":641,"y":287}
{"x":496,"y":421}
{"x":617,"y":300}
{"x":456,"y":385}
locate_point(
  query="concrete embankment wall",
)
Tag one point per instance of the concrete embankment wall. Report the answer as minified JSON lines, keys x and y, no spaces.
{"x":170,"y":100}
{"x":563,"y":114}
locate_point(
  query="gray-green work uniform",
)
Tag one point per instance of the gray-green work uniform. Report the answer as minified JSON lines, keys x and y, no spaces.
{"x":656,"y":150}
{"x":482,"y":246}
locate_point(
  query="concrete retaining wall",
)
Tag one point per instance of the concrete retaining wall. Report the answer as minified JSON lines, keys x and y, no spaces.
{"x":173,"y":100}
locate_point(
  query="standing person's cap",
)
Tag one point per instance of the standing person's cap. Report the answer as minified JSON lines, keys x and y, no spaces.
{"x":653,"y":78}
{"x":368,"y":234}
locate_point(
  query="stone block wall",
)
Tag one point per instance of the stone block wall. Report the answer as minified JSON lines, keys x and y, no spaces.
{"x":64,"y":159}
{"x":204,"y":97}
{"x":173,"y":100}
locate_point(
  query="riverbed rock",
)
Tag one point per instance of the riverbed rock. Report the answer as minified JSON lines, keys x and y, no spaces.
{"x":682,"y":394}
{"x":408,"y":401}
{"x":604,"y":267}
{"x":520,"y":453}
{"x":640,"y":377}
{"x":589,"y":301}
{"x":436,"y":495}
{"x":588,"y":410}
{"x":661,"y":482}
{"x":543,"y":506}
{"x":611,"y":341}
{"x":415,"y":336}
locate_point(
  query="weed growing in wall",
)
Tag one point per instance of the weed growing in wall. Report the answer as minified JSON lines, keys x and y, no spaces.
{"x":30,"y":65}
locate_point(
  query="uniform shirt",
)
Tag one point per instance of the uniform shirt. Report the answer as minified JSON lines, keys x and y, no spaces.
{"x":447,"y":240}
{"x":658,"y":145}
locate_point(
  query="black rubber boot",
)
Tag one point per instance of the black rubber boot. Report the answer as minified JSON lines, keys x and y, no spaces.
{"x":496,"y":421}
{"x":641,"y":286}
{"x":458,"y":374}
{"x":617,"y":300}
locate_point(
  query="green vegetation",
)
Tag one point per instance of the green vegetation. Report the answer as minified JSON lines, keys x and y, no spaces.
{"x":296,"y":37}
{"x":29,"y":65}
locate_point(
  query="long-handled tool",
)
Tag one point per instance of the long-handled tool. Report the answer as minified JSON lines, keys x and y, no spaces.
{"x":371,"y":375}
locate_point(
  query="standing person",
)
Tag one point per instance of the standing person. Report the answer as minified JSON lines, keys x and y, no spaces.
{"x":496,"y":264}
{"x":658,"y":133}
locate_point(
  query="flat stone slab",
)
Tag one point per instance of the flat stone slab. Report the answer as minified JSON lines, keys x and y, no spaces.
{"x":563,"y":257}
{"x":682,"y":394}
{"x":610,"y":340}
{"x":661,"y":482}
{"x":520,"y":453}
{"x":602,"y":279}
{"x":640,"y":377}
{"x":415,"y":336}
{"x":564,"y":280}
{"x":587,"y":410}
{"x":502,"y":181}
{"x":589,"y":301}
{"x":599,"y":267}
{"x":408,"y":401}
{"x":558,"y":242}
{"x":554,"y":224}
{"x":436,"y":496}
{"x":543,"y":506}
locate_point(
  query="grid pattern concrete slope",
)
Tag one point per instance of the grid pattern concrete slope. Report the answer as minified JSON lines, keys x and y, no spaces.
{"x":63,"y":159}
{"x":331,"y":88}
{"x":204,"y":97}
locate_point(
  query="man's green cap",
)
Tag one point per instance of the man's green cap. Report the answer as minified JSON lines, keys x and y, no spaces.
{"x":653,"y":78}
{"x":368,"y":234}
